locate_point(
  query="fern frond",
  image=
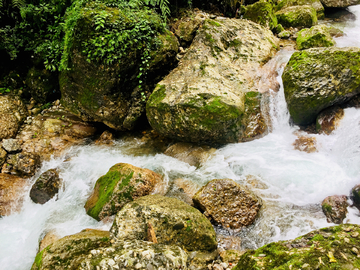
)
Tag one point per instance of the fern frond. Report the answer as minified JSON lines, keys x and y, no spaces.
{"x":17,"y":3}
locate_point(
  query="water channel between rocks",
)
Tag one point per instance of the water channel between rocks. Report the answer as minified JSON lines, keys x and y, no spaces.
{"x":291,"y":183}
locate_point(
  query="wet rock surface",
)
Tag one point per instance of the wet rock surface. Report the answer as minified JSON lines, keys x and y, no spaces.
{"x":329,"y":119}
{"x":316,"y":36}
{"x":297,"y":16}
{"x":11,"y":193}
{"x":228,"y":203}
{"x":327,"y":248}
{"x":318,"y":78}
{"x":211,"y":97}
{"x":335,"y":208}
{"x":45,"y":187}
{"x":69,"y":251}
{"x":339,"y":3}
{"x":306,"y":144}
{"x":12,"y":114}
{"x":316,"y":4}
{"x":174,"y":223}
{"x":23,"y":164}
{"x":121,"y":184}
{"x":192,"y":154}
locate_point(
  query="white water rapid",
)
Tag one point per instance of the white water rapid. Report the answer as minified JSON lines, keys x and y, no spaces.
{"x":291,"y":183}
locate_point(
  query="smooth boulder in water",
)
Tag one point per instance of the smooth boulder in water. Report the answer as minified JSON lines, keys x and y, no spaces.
{"x":174,"y":223}
{"x":123,"y":183}
{"x":45,"y":187}
{"x":212,"y":96}
{"x":335,"y":208}
{"x":318,"y":78}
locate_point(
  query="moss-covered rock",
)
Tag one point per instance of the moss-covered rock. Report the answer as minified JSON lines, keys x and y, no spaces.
{"x":110,"y":79}
{"x":316,"y":36}
{"x":262,"y":13}
{"x":121,"y":184}
{"x":174,"y":223}
{"x":335,"y":208}
{"x":227,"y":203}
{"x":328,"y":248}
{"x":206,"y":97}
{"x":297,"y":16}
{"x":136,"y":254}
{"x":316,"y":4}
{"x":69,"y":251}
{"x":318,"y":78}
{"x":43,"y":85}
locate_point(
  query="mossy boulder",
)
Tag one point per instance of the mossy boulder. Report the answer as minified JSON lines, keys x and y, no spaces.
{"x":228,"y":203}
{"x":123,"y":183}
{"x":297,"y":16}
{"x":43,"y":84}
{"x":212,"y":96}
{"x":262,"y":13}
{"x":109,"y":79}
{"x":316,"y":4}
{"x":335,"y":208}
{"x":316,"y":36}
{"x":318,"y":78}
{"x":339,"y":3}
{"x":136,"y":255}
{"x":69,"y":251}
{"x":174,"y":223}
{"x":328,"y":248}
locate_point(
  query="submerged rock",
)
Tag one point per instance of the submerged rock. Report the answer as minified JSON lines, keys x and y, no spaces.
{"x":123,"y":183}
{"x":113,"y":88}
{"x":327,"y":248}
{"x":192,"y":154}
{"x":174,"y":223}
{"x":335,"y":208}
{"x":328,"y":119}
{"x":11,"y":193}
{"x":318,"y":78}
{"x":211,"y":97}
{"x":306,"y":144}
{"x":297,"y":16}
{"x":228,"y":203}
{"x":316,"y":4}
{"x":12,"y":114}
{"x":136,"y":255}
{"x":69,"y":251}
{"x":45,"y":187}
{"x":316,"y":36}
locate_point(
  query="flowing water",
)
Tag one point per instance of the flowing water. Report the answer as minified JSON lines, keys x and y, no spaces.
{"x":291,"y":183}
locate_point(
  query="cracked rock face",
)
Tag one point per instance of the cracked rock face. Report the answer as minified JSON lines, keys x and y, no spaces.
{"x":228,"y":203}
{"x":318,"y":78}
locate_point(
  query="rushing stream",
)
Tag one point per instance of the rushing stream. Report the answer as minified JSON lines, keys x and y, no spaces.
{"x":291,"y":183}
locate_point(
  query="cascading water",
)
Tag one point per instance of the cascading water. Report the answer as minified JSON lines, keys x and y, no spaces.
{"x":291,"y":183}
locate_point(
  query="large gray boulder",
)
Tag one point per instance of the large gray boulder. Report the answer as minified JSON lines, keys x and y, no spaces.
{"x":318,"y":78}
{"x":212,"y":95}
{"x":339,"y":3}
{"x":174,"y":223}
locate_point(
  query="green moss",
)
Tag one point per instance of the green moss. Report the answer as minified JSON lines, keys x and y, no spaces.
{"x":298,"y":16}
{"x":157,"y":96}
{"x":317,"y":237}
{"x":38,"y":259}
{"x":318,"y":36}
{"x":212,"y":22}
{"x":327,"y":207}
{"x":262,"y":13}
{"x":106,"y":185}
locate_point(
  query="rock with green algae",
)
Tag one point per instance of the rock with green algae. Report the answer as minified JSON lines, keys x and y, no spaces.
{"x":316,"y":36}
{"x":174,"y":223}
{"x":262,"y":13}
{"x":69,"y":251}
{"x":335,"y":208}
{"x":328,"y":248}
{"x":110,"y":72}
{"x":212,"y":95}
{"x":136,"y":254}
{"x":339,"y":3}
{"x":318,"y":78}
{"x":228,"y":203}
{"x":123,"y":183}
{"x":297,"y":16}
{"x":316,"y":4}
